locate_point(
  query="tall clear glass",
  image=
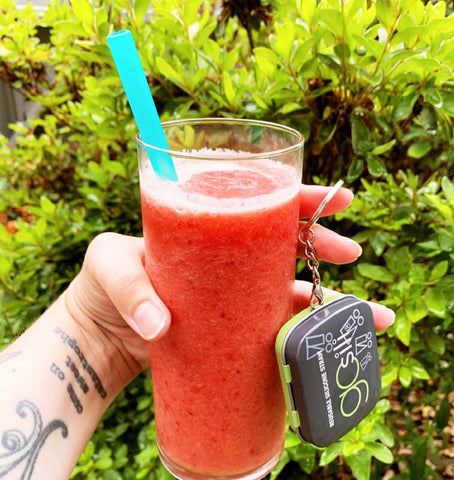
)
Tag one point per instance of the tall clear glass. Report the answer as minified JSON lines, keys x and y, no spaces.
{"x":220,"y":252}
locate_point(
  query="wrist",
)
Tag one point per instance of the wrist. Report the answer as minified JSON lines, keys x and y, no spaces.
{"x":115,"y":366}
{"x":58,"y":378}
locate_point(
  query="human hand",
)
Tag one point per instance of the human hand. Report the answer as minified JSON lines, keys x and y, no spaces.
{"x":331,"y":247}
{"x":114,"y":294}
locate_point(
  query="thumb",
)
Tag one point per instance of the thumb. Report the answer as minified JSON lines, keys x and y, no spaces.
{"x":116,"y":264}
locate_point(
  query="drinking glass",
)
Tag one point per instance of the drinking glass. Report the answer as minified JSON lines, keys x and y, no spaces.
{"x":220,"y":249}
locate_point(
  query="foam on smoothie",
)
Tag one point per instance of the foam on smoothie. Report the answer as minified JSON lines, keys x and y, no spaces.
{"x":220,"y":186}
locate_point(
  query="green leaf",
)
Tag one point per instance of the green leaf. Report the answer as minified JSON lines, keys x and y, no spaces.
{"x":190,"y":11}
{"x":326,"y":133}
{"x":302,"y":60}
{"x":448,"y":102}
{"x":371,"y":46}
{"x":378,"y":241}
{"x":380,"y":452}
{"x":389,"y":374}
{"x":103,"y":463}
{"x":404,"y":106}
{"x":447,"y":186}
{"x":285,"y":36}
{"x":229,"y":91}
{"x":167,"y":70}
{"x":376,"y":272}
{"x":385,"y":433}
{"x":418,"y":273}
{"x":402,"y":327}
{"x":441,"y":206}
{"x":435,"y":301}
{"x":385,"y":13}
{"x":351,"y":447}
{"x":84,"y":12}
{"x":47,"y":206}
{"x":304,"y":454}
{"x":116,"y":168}
{"x":331,"y":61}
{"x":307,"y":9}
{"x":140,"y":9}
{"x":446,"y":239}
{"x":417,"y":370}
{"x":418,"y":150}
{"x":405,"y":376}
{"x":360,"y":135}
{"x":433,"y":96}
{"x":360,"y":464}
{"x":290,"y":107}
{"x":41,"y":227}
{"x":398,"y":261}
{"x":143,"y":403}
{"x":385,"y":147}
{"x":212,"y":49}
{"x":415,"y":309}
{"x":418,"y":463}
{"x":438,"y":271}
{"x":436,"y":343}
{"x":267,"y":61}
{"x":428,"y":118}
{"x":112,"y":475}
{"x":355,"y":168}
{"x":376,"y":166}
{"x":446,"y":286}
{"x":443,"y":414}
{"x":291,"y":439}
{"x":331,"y":452}
{"x":280,"y":465}
{"x":5,"y":266}
{"x":334,"y":20}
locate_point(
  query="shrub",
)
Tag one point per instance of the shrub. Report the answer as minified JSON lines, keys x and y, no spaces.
{"x":369,"y":84}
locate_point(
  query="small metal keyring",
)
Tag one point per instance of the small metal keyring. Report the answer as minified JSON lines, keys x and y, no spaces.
{"x":316,"y":215}
{"x":306,"y":237}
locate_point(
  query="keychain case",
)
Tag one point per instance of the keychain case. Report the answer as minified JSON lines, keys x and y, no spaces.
{"x":329,"y":368}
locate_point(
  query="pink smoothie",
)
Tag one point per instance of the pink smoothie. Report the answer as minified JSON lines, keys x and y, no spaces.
{"x":220,"y":252}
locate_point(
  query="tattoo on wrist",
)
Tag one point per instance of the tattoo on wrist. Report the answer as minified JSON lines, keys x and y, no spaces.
{"x":72,"y":343}
{"x":22,"y":449}
{"x":4,"y":357}
{"x":76,"y":367}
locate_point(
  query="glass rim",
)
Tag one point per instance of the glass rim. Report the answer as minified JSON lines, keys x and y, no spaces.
{"x":299,"y":139}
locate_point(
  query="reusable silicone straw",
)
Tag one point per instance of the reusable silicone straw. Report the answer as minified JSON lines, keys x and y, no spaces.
{"x":141,"y":101}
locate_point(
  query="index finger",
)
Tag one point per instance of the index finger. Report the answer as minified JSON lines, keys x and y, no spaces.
{"x":312,"y":195}
{"x":302,"y":291}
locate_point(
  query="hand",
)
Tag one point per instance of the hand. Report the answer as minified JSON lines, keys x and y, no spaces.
{"x":113,"y":291}
{"x":332,"y":248}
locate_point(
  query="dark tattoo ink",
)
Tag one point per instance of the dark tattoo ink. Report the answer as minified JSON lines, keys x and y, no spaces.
{"x":79,"y":378}
{"x":58,"y":373}
{"x":74,"y":399}
{"x":72,"y":343}
{"x":4,"y":357}
{"x":20,"y":448}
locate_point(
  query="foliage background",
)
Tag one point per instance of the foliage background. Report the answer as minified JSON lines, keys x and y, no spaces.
{"x":368,"y":82}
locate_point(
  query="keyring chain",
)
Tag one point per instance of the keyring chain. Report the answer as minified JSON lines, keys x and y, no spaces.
{"x":306,"y":236}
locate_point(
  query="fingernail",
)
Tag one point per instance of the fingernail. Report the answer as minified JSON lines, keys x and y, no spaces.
{"x":150,"y":319}
{"x":357,"y":246}
{"x":387,"y":316}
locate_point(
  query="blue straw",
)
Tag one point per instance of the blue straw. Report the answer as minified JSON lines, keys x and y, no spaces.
{"x":138,"y":93}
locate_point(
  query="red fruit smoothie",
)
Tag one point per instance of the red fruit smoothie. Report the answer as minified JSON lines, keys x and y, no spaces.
{"x":220,"y":252}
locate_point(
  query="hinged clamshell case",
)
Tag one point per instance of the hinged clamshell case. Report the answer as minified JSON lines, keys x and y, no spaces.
{"x":329,"y":367}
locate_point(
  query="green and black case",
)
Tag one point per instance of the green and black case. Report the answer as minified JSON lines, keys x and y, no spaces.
{"x":329,"y":367}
